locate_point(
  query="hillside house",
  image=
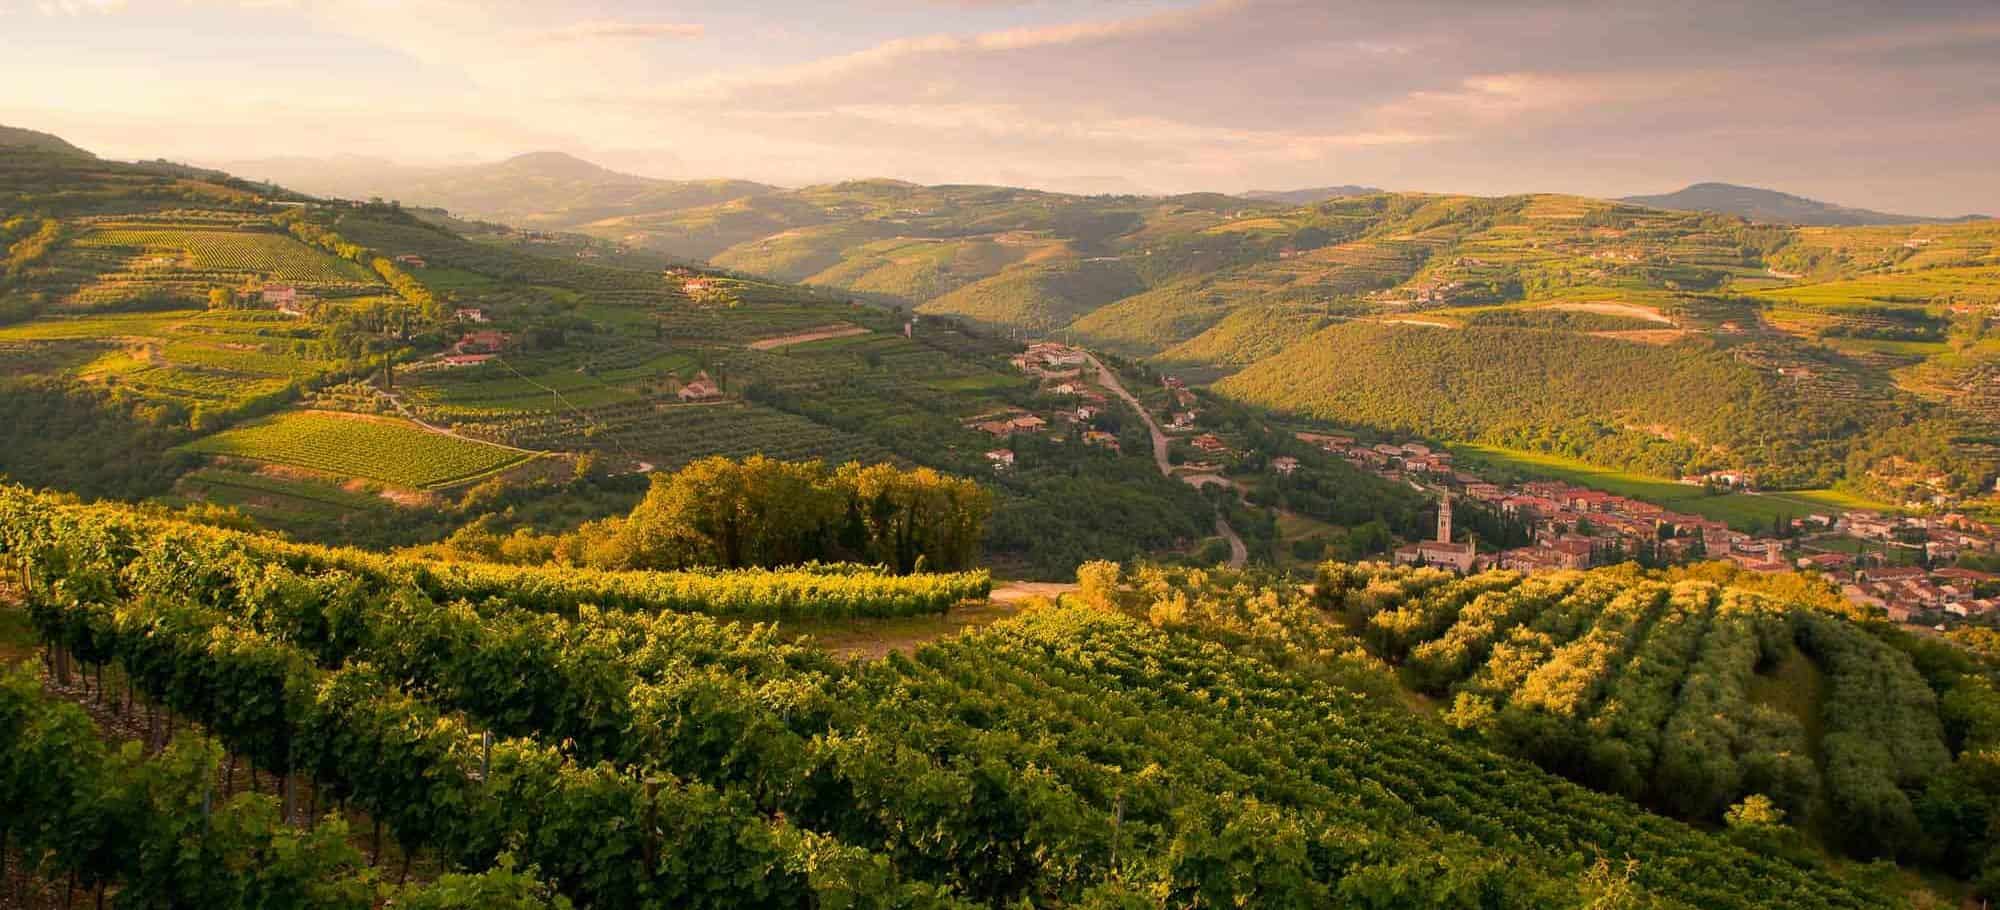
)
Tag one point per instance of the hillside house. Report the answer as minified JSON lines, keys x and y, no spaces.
{"x":480,"y":343}
{"x":1210,"y":443}
{"x":1000,"y":459}
{"x":279,"y":295}
{"x":995,"y":427}
{"x":1065,"y":388}
{"x":1027,"y":423}
{"x":701,"y":388}
{"x":1101,"y":439}
{"x":464,"y":360}
{"x":412,"y":260}
{"x":1284,"y":465}
{"x":1086,"y":413}
{"x":470,"y":314}
{"x":1182,"y":420}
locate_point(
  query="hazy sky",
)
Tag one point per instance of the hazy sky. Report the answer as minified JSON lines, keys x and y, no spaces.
{"x":1887,"y":105}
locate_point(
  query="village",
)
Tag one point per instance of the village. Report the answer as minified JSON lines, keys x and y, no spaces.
{"x":1901,"y":564}
{"x":1060,"y":369}
{"x":1905,"y":565}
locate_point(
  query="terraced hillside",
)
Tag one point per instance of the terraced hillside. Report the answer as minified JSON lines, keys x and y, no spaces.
{"x":360,"y":372}
{"x":1880,"y":326}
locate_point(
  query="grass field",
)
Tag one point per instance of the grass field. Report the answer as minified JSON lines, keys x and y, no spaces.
{"x":391,"y":451}
{"x":1744,"y":511}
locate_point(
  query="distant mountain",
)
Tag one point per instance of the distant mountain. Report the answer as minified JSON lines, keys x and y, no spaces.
{"x":16,"y":136}
{"x":1774,"y":207}
{"x":1310,"y":195}
{"x":547,"y":190}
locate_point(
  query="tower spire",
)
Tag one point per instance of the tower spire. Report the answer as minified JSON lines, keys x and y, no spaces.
{"x":1444,"y":517}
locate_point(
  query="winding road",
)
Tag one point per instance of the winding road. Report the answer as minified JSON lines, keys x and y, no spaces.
{"x":1238,"y":553}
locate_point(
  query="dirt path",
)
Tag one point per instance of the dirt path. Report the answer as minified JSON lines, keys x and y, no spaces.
{"x":819,"y":334}
{"x":1017,"y":591}
{"x":412,"y":417}
{"x":1238,"y":553}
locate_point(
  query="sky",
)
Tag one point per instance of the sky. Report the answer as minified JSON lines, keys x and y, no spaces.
{"x":1886,"y":105}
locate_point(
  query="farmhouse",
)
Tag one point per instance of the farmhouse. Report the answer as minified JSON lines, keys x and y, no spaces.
{"x":1001,"y":459}
{"x":1208,"y":442}
{"x":470,"y":314}
{"x":465,"y":360}
{"x":1284,"y":465}
{"x":1101,"y":438}
{"x":700,"y":388}
{"x":481,"y":343}
{"x":280,"y":295}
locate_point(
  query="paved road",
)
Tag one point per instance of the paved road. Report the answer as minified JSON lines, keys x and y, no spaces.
{"x":1238,"y":553}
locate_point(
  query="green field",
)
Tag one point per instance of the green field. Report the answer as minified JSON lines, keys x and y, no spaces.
{"x":1744,"y":511}
{"x":391,"y":451}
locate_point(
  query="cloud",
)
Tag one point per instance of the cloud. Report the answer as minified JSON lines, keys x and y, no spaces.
{"x":1468,"y":95}
{"x":77,"y":7}
{"x":613,"y":30}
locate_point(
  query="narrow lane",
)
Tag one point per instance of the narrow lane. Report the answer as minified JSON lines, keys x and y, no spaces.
{"x":1239,"y":554}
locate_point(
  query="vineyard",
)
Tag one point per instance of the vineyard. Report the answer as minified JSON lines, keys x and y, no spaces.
{"x":1070,"y":756}
{"x":262,"y":253}
{"x":392,"y":451}
{"x":1682,"y":695}
{"x":147,"y":827}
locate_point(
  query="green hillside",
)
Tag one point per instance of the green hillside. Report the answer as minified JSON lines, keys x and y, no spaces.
{"x":216,"y":344}
{"x":1038,"y":298}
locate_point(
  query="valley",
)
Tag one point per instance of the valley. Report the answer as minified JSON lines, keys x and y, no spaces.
{"x":1493,"y":523}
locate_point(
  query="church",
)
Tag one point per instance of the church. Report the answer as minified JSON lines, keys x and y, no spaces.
{"x":1442,"y":552}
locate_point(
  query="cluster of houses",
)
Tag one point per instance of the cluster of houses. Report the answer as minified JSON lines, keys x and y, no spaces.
{"x":1060,"y":369}
{"x":1577,"y":527}
{"x":1913,"y":593}
{"x":1573,"y":527}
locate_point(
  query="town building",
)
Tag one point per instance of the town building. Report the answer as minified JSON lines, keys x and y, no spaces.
{"x":1442,"y":552}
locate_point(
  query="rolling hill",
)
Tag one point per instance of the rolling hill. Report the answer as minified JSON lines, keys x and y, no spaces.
{"x":368,"y":373}
{"x":1773,"y":207}
{"x":540,"y":190}
{"x":26,"y":138}
{"x":1310,"y":195}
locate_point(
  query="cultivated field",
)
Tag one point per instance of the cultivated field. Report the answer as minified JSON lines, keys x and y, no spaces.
{"x":392,"y":451}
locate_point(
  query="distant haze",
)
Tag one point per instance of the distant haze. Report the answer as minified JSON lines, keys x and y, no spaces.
{"x":1888,"y":106}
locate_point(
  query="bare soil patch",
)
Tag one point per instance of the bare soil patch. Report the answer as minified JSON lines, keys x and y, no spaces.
{"x":819,"y":334}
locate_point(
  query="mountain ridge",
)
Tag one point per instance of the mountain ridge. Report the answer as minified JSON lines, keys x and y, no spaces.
{"x":1775,"y":206}
{"x":1311,"y":195}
